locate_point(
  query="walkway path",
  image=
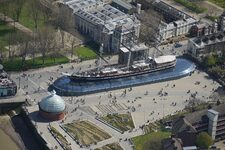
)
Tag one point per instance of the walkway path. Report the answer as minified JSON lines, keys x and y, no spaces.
{"x":117,"y":137}
{"x":74,"y":145}
{"x":19,"y":26}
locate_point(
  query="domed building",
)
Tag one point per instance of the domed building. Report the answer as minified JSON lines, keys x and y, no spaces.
{"x":52,"y":107}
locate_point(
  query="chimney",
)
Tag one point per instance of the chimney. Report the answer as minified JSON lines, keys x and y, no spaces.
{"x":138,"y":8}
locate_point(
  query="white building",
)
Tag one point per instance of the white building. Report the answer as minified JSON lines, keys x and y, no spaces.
{"x":200,"y":47}
{"x":102,"y":22}
{"x":177,"y":22}
{"x":176,"y":28}
{"x":221,"y":22}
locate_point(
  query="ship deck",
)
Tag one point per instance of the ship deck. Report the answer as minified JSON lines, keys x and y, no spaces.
{"x":65,"y":87}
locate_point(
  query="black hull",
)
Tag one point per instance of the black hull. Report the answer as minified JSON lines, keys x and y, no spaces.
{"x":132,"y":74}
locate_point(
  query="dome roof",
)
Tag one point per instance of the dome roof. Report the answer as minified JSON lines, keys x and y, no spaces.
{"x":52,"y":103}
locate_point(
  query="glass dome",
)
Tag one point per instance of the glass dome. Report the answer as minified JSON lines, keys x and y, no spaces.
{"x":52,"y":103}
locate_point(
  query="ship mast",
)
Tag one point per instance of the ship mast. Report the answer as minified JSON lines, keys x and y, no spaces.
{"x":100,"y":57}
{"x":128,"y":41}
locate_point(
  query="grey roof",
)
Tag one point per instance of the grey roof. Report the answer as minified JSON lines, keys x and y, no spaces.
{"x":110,"y":17}
{"x":172,"y":144}
{"x":196,"y":116}
{"x":52,"y":103}
{"x":199,"y":115}
{"x":84,"y":4}
{"x":1,"y":67}
{"x":208,"y":39}
{"x":5,"y":80}
{"x":182,"y":124}
{"x":123,"y":4}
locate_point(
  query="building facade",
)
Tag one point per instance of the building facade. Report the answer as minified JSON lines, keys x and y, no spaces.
{"x":7,"y":86}
{"x":211,"y":121}
{"x":200,"y":47}
{"x":221,"y":22}
{"x":98,"y":20}
{"x":176,"y":22}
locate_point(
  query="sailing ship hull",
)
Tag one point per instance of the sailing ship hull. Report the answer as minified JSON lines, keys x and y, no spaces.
{"x":118,"y":76}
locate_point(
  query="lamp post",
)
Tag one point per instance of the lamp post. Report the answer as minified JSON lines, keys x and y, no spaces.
{"x":19,"y":82}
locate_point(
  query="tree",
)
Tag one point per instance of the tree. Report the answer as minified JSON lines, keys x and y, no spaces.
{"x":211,"y":60}
{"x":218,"y":102}
{"x":203,"y":140}
{"x":5,"y":7}
{"x":33,"y":47}
{"x":64,"y":21}
{"x":21,"y":45}
{"x":34,"y":10}
{"x":149,"y":27}
{"x":18,"y":7}
{"x":45,"y":41}
{"x":47,"y":12}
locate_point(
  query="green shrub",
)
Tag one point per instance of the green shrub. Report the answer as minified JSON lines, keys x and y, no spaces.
{"x":192,"y":6}
{"x":203,"y":140}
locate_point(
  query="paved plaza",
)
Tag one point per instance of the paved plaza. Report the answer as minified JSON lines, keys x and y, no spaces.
{"x":147,"y":103}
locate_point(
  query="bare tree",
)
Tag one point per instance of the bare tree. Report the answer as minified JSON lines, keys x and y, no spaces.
{"x":47,"y":13}
{"x":150,"y":23}
{"x":1,"y":52}
{"x":64,"y":21}
{"x":10,"y":41}
{"x":72,"y":46}
{"x":18,"y":8}
{"x":45,"y":41}
{"x":34,"y":6}
{"x":20,"y":43}
{"x":4,"y":6}
{"x":33,"y":47}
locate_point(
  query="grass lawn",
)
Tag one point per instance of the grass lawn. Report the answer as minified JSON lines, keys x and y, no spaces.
{"x":123,"y":122}
{"x":151,"y":141}
{"x":85,"y":53}
{"x":113,"y":146}
{"x":212,"y":18}
{"x":61,"y":138}
{"x":191,"y":6}
{"x":5,"y":30}
{"x":16,"y":65}
{"x":25,"y":17}
{"x":220,"y":3}
{"x":86,"y":132}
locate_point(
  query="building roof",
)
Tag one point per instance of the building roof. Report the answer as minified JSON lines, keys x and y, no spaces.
{"x":172,"y":144}
{"x":189,"y":148}
{"x":202,"y":114}
{"x":185,"y":123}
{"x":1,"y":67}
{"x":134,"y":47}
{"x":123,"y":4}
{"x":182,"y":124}
{"x":75,"y":5}
{"x":165,"y":59}
{"x":5,"y":80}
{"x":188,"y":138}
{"x":208,"y":39}
{"x":197,"y":116}
{"x":52,"y":103}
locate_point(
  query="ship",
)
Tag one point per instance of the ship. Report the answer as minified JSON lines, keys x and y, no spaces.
{"x":133,"y":61}
{"x":118,"y":71}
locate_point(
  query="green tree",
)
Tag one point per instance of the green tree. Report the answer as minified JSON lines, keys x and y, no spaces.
{"x":203,"y":140}
{"x":211,"y":60}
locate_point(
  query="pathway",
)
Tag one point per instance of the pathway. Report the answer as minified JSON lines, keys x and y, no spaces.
{"x":17,"y":25}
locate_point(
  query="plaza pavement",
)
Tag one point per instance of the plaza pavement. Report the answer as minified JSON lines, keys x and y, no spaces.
{"x":144,"y":104}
